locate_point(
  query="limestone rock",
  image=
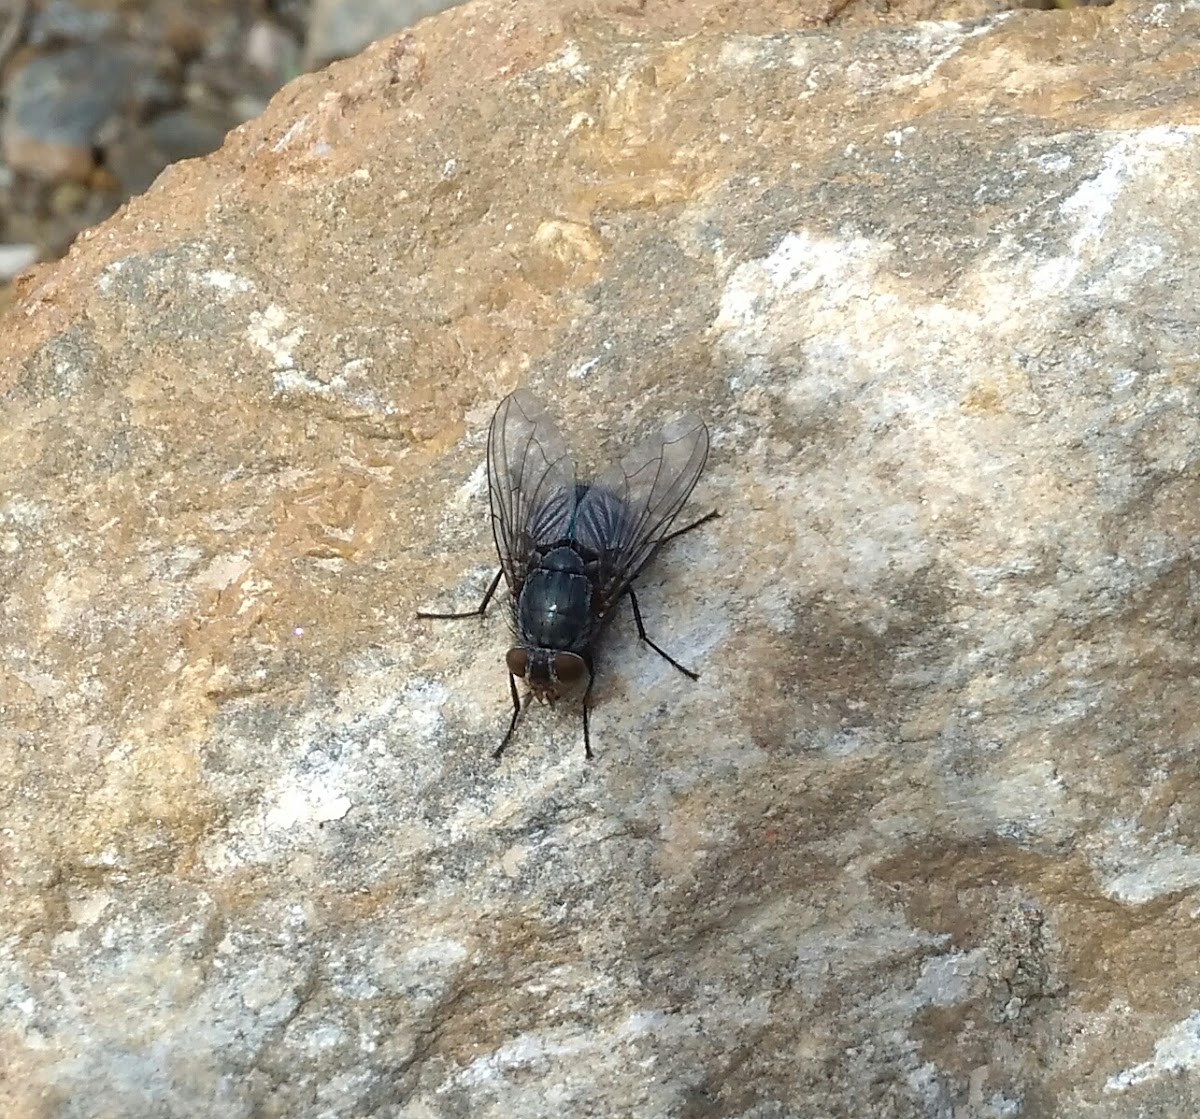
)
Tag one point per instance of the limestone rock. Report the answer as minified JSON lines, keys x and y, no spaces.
{"x":924,"y":839}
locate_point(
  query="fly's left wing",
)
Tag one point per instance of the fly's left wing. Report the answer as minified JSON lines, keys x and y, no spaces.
{"x":531,"y":483}
{"x":624,"y":515}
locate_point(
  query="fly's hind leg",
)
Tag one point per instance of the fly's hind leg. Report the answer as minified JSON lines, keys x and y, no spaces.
{"x":712,"y":516}
{"x":671,"y":536}
{"x":637,"y":617}
{"x":637,"y":614}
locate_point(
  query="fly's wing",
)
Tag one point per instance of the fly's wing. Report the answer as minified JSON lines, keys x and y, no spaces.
{"x":625,"y":514}
{"x":531,"y":483}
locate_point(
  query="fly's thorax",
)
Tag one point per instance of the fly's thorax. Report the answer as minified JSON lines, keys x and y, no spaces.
{"x":563,"y":559}
{"x":555,"y":608}
{"x":550,"y":673}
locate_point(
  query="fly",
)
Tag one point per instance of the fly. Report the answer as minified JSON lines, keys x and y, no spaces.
{"x":569,"y":550}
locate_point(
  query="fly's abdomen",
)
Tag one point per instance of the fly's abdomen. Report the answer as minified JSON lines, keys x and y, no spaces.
{"x":555,"y":609}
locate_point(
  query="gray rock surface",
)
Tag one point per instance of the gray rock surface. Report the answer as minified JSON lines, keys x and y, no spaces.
{"x":922,"y":841}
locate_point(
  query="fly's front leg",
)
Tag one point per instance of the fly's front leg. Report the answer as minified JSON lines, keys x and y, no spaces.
{"x":587,"y":695}
{"x":637,"y":617}
{"x":518,"y":707}
{"x":476,"y":613}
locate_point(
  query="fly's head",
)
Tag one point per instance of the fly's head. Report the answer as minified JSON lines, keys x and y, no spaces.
{"x":550,"y":673}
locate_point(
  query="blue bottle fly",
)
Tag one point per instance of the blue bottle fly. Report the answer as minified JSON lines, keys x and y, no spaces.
{"x":570,"y":551}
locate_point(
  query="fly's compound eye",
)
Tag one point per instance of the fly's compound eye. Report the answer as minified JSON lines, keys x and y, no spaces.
{"x":517,"y":661}
{"x":569,"y":668}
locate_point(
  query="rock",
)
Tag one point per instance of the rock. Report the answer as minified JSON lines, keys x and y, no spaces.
{"x":922,"y":839}
{"x":341,"y":28}
{"x":58,"y":105}
{"x":137,"y":154}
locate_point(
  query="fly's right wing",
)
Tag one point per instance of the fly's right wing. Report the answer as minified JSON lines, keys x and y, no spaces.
{"x":531,"y":483}
{"x":624,"y":516}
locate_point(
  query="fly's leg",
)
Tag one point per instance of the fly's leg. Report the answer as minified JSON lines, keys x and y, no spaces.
{"x":671,"y":536}
{"x":587,"y":739}
{"x":637,"y":617}
{"x":688,"y":528}
{"x":637,"y":614}
{"x":476,"y":613}
{"x":518,"y":707}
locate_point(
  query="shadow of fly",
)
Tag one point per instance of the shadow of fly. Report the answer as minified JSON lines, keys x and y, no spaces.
{"x":570,"y":550}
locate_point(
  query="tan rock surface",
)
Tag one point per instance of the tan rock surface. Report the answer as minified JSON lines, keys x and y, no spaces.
{"x":923,"y":839}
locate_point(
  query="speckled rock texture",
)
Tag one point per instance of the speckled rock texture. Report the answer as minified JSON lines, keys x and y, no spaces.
{"x":923,"y":840}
